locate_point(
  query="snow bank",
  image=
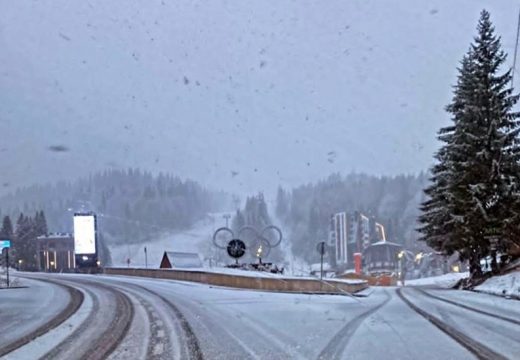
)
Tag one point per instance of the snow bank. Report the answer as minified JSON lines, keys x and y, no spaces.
{"x":504,"y":285}
{"x":444,"y":281}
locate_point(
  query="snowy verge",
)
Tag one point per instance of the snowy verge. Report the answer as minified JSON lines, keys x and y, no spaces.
{"x":41,"y":345}
{"x":507,"y":285}
{"x":444,"y":281}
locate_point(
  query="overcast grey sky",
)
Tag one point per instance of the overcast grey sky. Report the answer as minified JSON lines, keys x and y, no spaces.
{"x":240,"y":95}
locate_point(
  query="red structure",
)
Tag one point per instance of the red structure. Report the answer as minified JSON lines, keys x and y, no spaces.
{"x":357,"y":263}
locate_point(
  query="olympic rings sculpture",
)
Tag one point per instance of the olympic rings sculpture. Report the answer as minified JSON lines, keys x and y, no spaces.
{"x":261,"y":242}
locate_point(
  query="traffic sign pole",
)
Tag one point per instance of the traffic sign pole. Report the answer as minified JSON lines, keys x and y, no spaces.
{"x":7,"y":262}
{"x":321,"y":267}
{"x":6,"y":244}
{"x":321,"y":250}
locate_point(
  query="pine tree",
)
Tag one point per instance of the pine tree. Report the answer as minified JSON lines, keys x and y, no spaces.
{"x":475,"y":187}
{"x":238,"y":222}
{"x":40,"y":223}
{"x":438,"y":222}
{"x":6,"y":232}
{"x":24,"y":242}
{"x":282,"y":205}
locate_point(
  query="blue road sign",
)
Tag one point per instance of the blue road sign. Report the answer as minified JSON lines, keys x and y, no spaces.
{"x":5,"y":244}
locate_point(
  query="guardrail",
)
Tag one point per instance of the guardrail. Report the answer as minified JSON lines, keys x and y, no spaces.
{"x":277,"y":284}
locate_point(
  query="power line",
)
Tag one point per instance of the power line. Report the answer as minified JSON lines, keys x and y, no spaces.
{"x":516,"y":51}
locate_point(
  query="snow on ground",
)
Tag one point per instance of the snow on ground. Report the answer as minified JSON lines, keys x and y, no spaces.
{"x":446,"y":281}
{"x":196,"y":239}
{"x":25,"y":308}
{"x":504,"y":285}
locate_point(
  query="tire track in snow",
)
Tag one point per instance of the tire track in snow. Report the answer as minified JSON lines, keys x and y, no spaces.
{"x":476,"y":348}
{"x":467,"y":307}
{"x":75,"y":300}
{"x":193,"y":348}
{"x":339,"y":342}
{"x":106,"y":341}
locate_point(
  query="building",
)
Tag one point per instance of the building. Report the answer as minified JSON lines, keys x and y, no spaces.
{"x":352,"y":233}
{"x":338,"y":237}
{"x":55,"y":252}
{"x":379,"y":232}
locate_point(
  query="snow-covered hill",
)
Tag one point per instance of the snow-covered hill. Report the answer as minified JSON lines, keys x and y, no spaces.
{"x":197,"y":239}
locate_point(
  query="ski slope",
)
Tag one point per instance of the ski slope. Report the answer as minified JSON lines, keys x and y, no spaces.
{"x":197,"y":239}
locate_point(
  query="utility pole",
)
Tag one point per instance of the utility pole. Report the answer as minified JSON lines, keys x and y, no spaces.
{"x":145,"y":258}
{"x":516,"y":51}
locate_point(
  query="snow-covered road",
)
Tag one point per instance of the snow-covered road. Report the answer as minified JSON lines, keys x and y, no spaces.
{"x":138,"y":318}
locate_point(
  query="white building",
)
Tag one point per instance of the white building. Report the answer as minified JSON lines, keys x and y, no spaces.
{"x":338,"y":237}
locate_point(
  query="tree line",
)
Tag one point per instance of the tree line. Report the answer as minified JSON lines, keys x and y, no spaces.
{"x":305,"y":211}
{"x":23,"y":239}
{"x":132,"y":205}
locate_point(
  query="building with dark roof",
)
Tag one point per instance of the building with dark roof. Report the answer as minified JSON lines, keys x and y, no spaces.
{"x":55,"y":252}
{"x":180,"y":260}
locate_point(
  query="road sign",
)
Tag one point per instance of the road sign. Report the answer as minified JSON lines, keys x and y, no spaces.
{"x":321,"y":247}
{"x":236,"y":248}
{"x":5,"y":244}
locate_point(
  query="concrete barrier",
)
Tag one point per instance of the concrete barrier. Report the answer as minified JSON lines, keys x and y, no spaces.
{"x":277,"y":284}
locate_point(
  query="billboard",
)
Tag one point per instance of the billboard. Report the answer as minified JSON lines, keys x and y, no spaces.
{"x":84,"y":234}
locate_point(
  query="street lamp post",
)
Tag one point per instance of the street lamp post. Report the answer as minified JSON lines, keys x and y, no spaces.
{"x":227,"y":217}
{"x":400,"y":256}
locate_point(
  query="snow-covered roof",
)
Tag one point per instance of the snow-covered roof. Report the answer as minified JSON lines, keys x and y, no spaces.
{"x":55,"y":236}
{"x":183,"y":259}
{"x":317,"y":267}
{"x":383,"y":242}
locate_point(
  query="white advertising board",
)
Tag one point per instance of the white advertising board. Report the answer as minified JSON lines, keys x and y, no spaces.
{"x":84,"y":234}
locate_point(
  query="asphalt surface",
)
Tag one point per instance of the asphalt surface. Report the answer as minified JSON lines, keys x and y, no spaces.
{"x":138,"y":318}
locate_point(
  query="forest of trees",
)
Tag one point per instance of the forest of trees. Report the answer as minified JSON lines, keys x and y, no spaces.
{"x":255,"y":214}
{"x":473,"y":203}
{"x":22,"y":237}
{"x":131,"y":205}
{"x":305,"y":211}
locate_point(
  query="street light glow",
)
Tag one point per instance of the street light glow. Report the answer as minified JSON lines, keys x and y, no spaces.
{"x":259,"y":252}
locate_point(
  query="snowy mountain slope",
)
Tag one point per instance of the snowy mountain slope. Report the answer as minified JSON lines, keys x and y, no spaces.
{"x":197,"y":239}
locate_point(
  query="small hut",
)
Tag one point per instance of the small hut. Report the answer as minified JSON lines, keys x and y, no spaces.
{"x":180,"y":260}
